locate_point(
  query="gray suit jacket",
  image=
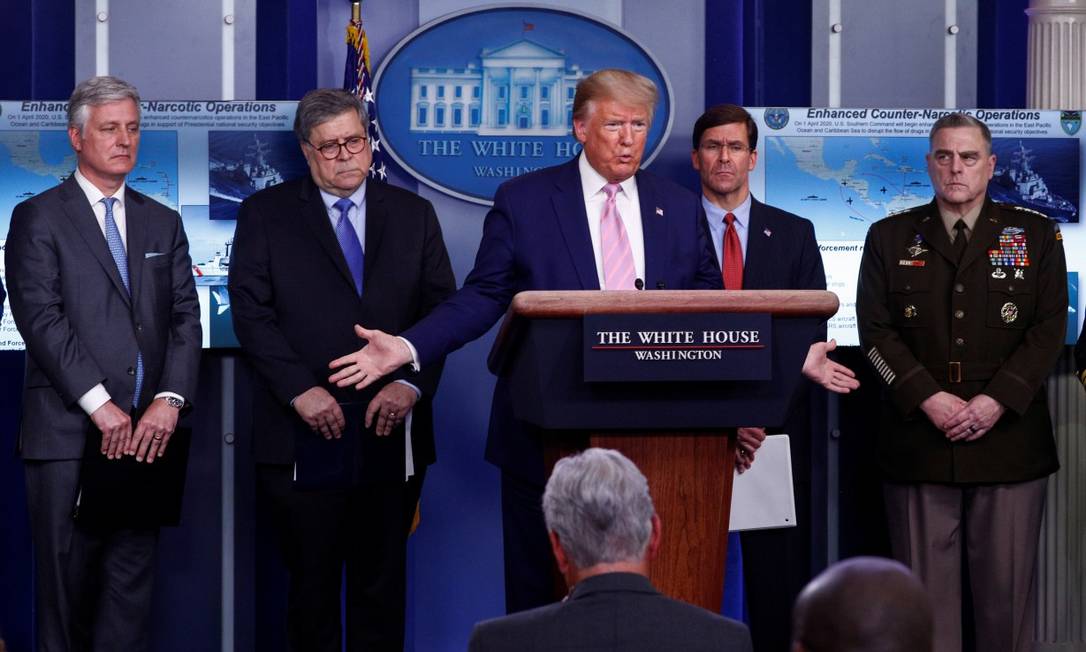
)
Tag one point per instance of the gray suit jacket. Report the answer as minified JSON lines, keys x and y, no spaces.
{"x":613,"y":611}
{"x":80,"y":325}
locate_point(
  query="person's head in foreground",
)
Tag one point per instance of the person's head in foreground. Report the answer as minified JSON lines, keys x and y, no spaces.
{"x":863,"y":604}
{"x":600,"y":516}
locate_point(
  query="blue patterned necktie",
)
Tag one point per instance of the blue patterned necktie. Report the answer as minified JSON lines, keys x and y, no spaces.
{"x":120,"y":257}
{"x":348,"y":242}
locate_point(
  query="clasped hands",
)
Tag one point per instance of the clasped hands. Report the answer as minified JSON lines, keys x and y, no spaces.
{"x":382,"y":354}
{"x":962,"y":420}
{"x":150,"y":438}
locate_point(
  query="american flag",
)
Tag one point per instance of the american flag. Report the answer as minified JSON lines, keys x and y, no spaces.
{"x":357,"y":80}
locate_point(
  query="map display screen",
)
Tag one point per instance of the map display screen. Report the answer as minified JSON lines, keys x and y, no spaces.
{"x":843,"y":169}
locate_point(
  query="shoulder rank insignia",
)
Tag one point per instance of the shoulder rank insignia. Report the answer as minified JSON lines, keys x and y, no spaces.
{"x":1059,"y":234}
{"x":1021,"y":209}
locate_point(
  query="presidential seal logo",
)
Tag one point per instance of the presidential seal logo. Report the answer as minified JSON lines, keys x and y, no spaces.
{"x":776,"y":118}
{"x":480,"y":96}
{"x":1071,"y":121}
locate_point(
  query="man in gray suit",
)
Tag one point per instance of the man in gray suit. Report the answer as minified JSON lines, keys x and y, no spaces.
{"x":604,"y":531}
{"x":102,"y":291}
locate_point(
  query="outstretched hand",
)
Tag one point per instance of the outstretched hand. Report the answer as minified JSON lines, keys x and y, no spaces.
{"x":380,"y":356}
{"x":831,"y":375}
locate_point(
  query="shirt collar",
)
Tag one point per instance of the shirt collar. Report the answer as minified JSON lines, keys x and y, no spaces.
{"x":358,"y":197}
{"x":592,"y":182}
{"x":94,"y":195}
{"x":741,"y":212}
{"x":969,"y":218}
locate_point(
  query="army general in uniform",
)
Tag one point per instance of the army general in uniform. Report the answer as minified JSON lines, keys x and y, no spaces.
{"x":962,"y":308}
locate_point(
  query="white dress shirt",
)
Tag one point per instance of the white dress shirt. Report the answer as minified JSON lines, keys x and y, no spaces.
{"x":629,"y":207}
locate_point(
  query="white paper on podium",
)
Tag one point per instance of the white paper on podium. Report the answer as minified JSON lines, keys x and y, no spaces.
{"x":762,"y":497}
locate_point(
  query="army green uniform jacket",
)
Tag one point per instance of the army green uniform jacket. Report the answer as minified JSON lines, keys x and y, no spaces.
{"x":994,"y":324}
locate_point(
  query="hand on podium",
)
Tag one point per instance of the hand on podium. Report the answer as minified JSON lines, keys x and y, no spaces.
{"x":381,"y":355}
{"x":827,"y":373}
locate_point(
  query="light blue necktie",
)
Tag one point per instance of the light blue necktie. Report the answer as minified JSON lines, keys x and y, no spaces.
{"x":348,"y":242}
{"x":116,"y":247}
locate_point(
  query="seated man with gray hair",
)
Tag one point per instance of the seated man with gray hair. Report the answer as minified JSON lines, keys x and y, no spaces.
{"x":604,"y":531}
{"x":863,"y":604}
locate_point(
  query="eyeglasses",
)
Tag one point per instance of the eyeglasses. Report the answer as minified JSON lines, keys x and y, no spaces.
{"x":331,"y":149}
{"x":733,"y":148}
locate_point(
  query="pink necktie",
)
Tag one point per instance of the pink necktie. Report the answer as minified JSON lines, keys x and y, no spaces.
{"x":618,"y":265}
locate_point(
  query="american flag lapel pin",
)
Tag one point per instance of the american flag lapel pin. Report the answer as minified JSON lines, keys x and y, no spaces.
{"x":659,"y":211}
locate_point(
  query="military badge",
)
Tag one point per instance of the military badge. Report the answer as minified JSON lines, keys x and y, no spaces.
{"x":1070,"y":121}
{"x":767,"y":233}
{"x":1013,"y":250}
{"x":906,"y":262}
{"x":1009,"y":312}
{"x":1020,"y":274}
{"x":916,"y":248}
{"x":999,"y":273}
{"x":911,"y":311}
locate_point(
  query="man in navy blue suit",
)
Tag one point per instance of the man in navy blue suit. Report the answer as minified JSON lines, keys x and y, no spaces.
{"x":596,"y":222}
{"x":764,"y":248}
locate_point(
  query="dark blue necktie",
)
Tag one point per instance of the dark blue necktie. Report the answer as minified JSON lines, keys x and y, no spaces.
{"x":116,"y":247}
{"x":348,"y":242}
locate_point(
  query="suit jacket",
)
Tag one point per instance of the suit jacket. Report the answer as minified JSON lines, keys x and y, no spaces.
{"x":294,"y":306}
{"x":79,"y":323}
{"x":782,"y":253}
{"x":536,"y":237}
{"x":613,"y":611}
{"x":987,"y":325}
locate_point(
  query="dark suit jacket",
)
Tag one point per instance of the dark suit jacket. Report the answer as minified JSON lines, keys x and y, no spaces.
{"x":613,"y":611}
{"x":785,"y":258}
{"x":81,"y":327}
{"x":536,"y":238}
{"x":1006,"y":330}
{"x":294,"y":305}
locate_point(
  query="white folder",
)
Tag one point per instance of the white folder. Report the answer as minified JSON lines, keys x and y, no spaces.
{"x":762,"y":497}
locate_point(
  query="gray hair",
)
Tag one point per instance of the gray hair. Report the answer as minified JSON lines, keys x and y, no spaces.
{"x":623,"y":86}
{"x":959,"y":119}
{"x":323,"y":104}
{"x":97,"y":91}
{"x":598,"y":504}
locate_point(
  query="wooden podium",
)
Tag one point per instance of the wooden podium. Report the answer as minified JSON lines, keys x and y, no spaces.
{"x":679,"y":433}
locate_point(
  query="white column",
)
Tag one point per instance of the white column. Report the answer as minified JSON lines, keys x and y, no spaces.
{"x":1056,"y":69}
{"x":486,"y":94}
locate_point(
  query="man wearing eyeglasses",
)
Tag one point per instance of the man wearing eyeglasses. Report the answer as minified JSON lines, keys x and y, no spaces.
{"x":962,"y":309}
{"x":313,"y":257}
{"x":761,"y":247}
